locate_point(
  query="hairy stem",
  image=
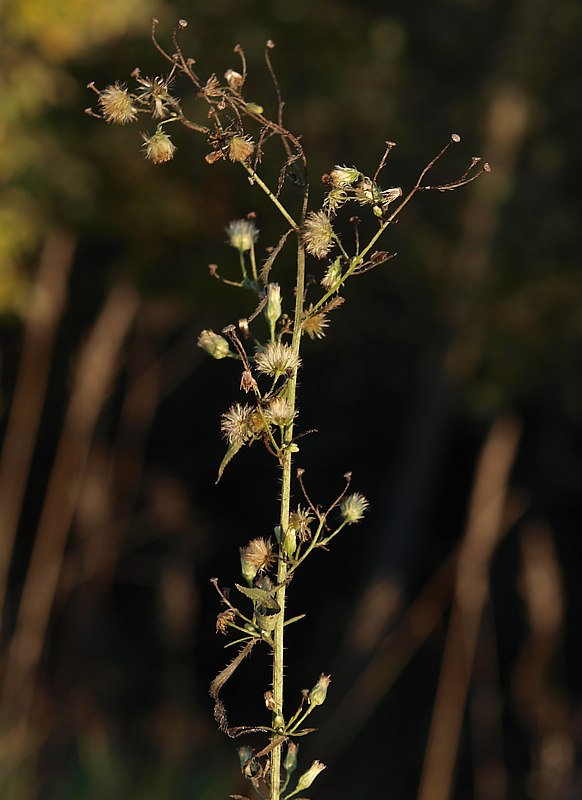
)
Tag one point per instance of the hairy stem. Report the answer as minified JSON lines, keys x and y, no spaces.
{"x":287,"y":463}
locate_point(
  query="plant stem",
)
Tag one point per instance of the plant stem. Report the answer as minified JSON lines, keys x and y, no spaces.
{"x":278,"y":634}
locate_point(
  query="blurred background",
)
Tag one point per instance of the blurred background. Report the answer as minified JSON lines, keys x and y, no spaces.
{"x":449,"y":384}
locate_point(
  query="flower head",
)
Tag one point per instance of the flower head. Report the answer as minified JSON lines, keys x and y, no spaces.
{"x":342,"y":177}
{"x":353,"y":508}
{"x":116,"y":105}
{"x":277,"y":359}
{"x":242,"y":234}
{"x":159,"y":148}
{"x":279,"y":412}
{"x":318,"y":234}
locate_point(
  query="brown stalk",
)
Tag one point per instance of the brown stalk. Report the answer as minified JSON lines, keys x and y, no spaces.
{"x":484,"y":528}
{"x":40,"y":323}
{"x":95,"y":369}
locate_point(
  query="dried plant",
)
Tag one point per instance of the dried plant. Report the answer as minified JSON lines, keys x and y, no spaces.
{"x":267,"y":345}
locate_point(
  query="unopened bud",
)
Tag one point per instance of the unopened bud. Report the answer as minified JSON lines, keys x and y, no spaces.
{"x":308,"y":777}
{"x":319,"y":692}
{"x":214,"y":344}
{"x":273,"y":309}
{"x":290,"y":761}
{"x":290,"y":543}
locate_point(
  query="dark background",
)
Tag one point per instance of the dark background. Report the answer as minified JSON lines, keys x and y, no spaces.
{"x":114,"y":527}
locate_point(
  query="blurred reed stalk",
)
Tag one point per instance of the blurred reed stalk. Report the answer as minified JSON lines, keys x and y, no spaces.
{"x":94,"y":371}
{"x":485,"y":524}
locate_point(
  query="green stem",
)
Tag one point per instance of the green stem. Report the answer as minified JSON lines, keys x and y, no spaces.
{"x":275,"y":200}
{"x":278,"y":633}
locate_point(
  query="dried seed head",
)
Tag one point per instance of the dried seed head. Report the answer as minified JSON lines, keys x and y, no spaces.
{"x":279,"y":412}
{"x":319,"y":692}
{"x":342,"y":177}
{"x":240,"y":148}
{"x":308,"y":777}
{"x":116,"y":105}
{"x":257,"y":555}
{"x":315,"y":325}
{"x":224,"y":619}
{"x":234,"y":79}
{"x":277,"y":359}
{"x":353,"y":508}
{"x":300,"y":521}
{"x":242,"y":234}
{"x":237,"y":424}
{"x":334,"y":200}
{"x":318,"y":234}
{"x":214,"y":344}
{"x":159,"y":148}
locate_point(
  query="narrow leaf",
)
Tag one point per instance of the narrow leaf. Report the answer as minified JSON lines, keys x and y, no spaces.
{"x":271,"y":259}
{"x":230,"y":454}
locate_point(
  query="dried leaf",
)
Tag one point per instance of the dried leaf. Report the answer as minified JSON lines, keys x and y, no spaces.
{"x":271,"y":259}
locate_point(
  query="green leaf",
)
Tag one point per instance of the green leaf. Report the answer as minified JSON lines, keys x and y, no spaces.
{"x":260,"y":597}
{"x":230,"y":454}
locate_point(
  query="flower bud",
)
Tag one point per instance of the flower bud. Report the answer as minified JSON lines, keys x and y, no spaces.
{"x":308,"y":777}
{"x":290,"y":542}
{"x":319,"y":692}
{"x":214,"y":344}
{"x":290,"y":762}
{"x":273,"y":309}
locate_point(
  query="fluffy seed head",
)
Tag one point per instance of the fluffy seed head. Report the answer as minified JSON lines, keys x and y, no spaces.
{"x":240,"y":424}
{"x":276,"y":359}
{"x":280,"y":412}
{"x":353,"y":508}
{"x":240,"y":148}
{"x":159,"y":148}
{"x":242,"y":234}
{"x":342,"y":177}
{"x":315,"y":325}
{"x":116,"y":105}
{"x":318,"y":234}
{"x":258,"y":554}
